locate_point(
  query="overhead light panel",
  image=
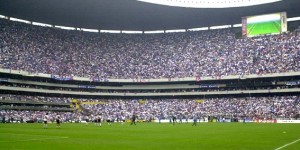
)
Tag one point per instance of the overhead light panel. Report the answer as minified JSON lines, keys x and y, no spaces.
{"x":132,"y":32}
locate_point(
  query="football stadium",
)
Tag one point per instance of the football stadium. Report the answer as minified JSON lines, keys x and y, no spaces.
{"x":150,"y":74}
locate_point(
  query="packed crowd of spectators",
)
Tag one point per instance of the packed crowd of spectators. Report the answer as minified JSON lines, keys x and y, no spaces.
{"x":116,"y":109}
{"x":33,"y":103}
{"x":204,"y":53}
{"x":261,"y":107}
{"x":24,"y":98}
{"x":34,"y":116}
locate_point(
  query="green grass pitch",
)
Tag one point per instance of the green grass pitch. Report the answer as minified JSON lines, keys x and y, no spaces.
{"x":151,"y":136}
{"x":263,"y":28}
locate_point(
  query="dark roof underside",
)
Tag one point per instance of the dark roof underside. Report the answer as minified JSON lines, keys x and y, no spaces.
{"x":133,"y":15}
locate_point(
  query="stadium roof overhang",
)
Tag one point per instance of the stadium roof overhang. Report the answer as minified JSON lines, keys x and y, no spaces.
{"x":133,"y":14}
{"x":209,"y":3}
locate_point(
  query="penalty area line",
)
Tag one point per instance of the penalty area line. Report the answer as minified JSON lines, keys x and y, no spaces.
{"x":287,"y":144}
{"x":40,"y":139}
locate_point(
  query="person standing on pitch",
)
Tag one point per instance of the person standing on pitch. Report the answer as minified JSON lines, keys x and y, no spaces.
{"x":133,"y":119}
{"x":180,"y":118}
{"x":100,"y":120}
{"x":194,"y":121}
{"x":58,"y":120}
{"x":159,"y":119}
{"x":123,"y":120}
{"x":173,"y":119}
{"x":46,"y":117}
{"x":186,"y":119}
{"x":87,"y":120}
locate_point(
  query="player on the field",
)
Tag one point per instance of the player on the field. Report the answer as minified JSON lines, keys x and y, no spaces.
{"x":86,"y":120}
{"x":180,"y":118}
{"x":186,"y":119}
{"x":98,"y":120}
{"x":159,"y":118}
{"x":58,"y":120}
{"x":123,"y":120}
{"x":173,"y":119}
{"x":46,"y":117}
{"x":244,"y":119}
{"x":133,"y":119}
{"x":194,"y":121}
{"x":109,"y":120}
{"x":170,"y":119}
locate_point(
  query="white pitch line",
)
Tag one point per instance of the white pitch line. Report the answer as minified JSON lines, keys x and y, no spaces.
{"x":287,"y":144}
{"x":41,"y":139}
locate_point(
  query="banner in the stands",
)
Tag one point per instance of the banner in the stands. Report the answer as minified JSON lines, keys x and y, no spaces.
{"x":62,"y":77}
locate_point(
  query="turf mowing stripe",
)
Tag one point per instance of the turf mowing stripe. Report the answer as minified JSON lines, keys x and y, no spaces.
{"x":287,"y":144}
{"x":40,"y":139}
{"x":30,"y":134}
{"x":52,"y":138}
